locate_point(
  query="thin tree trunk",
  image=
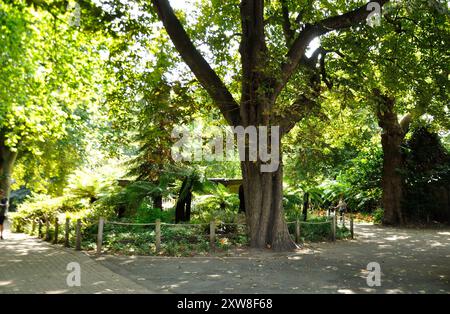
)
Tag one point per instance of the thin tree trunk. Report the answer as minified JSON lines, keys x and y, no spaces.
{"x":158,"y":202}
{"x":180,"y":206}
{"x":241,"y":199}
{"x":183,"y":207}
{"x":305,"y":206}
{"x":187,"y":213}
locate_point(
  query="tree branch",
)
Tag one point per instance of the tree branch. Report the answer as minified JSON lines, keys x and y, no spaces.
{"x":302,"y":107}
{"x":197,"y":63}
{"x":254,"y":58}
{"x":306,"y":103}
{"x":323,"y":71}
{"x":405,"y":122}
{"x":311,"y":31}
{"x":287,"y":29}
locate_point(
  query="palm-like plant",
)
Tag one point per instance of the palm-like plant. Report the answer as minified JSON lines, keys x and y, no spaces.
{"x":85,"y":184}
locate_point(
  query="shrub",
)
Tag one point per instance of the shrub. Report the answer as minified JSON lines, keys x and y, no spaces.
{"x":427,"y":177}
{"x":378,"y":215}
{"x":221,"y":205}
{"x":35,"y":207}
{"x":146,"y":213}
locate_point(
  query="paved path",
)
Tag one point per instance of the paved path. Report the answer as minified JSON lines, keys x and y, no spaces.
{"x":29,"y":265}
{"x":412,"y":261}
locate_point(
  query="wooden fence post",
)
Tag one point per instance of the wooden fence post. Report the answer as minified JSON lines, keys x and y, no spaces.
{"x":158,"y":235}
{"x":101,"y":222}
{"x":78,"y":236}
{"x":297,"y":231}
{"x":212,"y":235}
{"x":33,"y":227}
{"x":55,"y":239}
{"x":351,"y":225}
{"x":40,"y":229}
{"x":334,"y":222}
{"x":67,"y":231}
{"x":47,"y":230}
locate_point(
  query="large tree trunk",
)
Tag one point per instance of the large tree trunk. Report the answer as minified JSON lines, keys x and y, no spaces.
{"x":7,"y":160}
{"x":264,"y":208}
{"x":392,"y":182}
{"x":263,"y":191}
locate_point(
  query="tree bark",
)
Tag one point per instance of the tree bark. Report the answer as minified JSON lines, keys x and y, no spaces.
{"x":180,"y":206}
{"x":158,"y":202}
{"x":392,"y":182}
{"x":183,"y":206}
{"x":187,"y":213}
{"x":7,"y":160}
{"x":264,"y":208}
{"x":305,"y":206}
{"x":262,"y":190}
{"x":241,"y":199}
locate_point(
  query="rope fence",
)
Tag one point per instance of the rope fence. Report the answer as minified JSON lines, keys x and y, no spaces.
{"x":215,"y":231}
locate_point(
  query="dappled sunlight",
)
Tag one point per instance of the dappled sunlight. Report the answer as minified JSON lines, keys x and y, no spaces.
{"x":335,"y":120}
{"x":127,"y":262}
{"x":368,"y":290}
{"x":29,"y":265}
{"x":393,"y":291}
{"x":437,"y":244}
{"x":62,"y":291}
{"x":177,"y":285}
{"x":385,"y":246}
{"x":413,"y":262}
{"x":330,"y":287}
{"x":346,"y":291}
{"x":6,"y":283}
{"x":396,"y":238}
{"x":295,"y":258}
{"x":98,"y":283}
{"x":331,"y":268}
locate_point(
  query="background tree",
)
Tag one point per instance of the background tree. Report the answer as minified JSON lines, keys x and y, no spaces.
{"x":144,"y":109}
{"x":400,"y":68}
{"x":47,"y":91}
